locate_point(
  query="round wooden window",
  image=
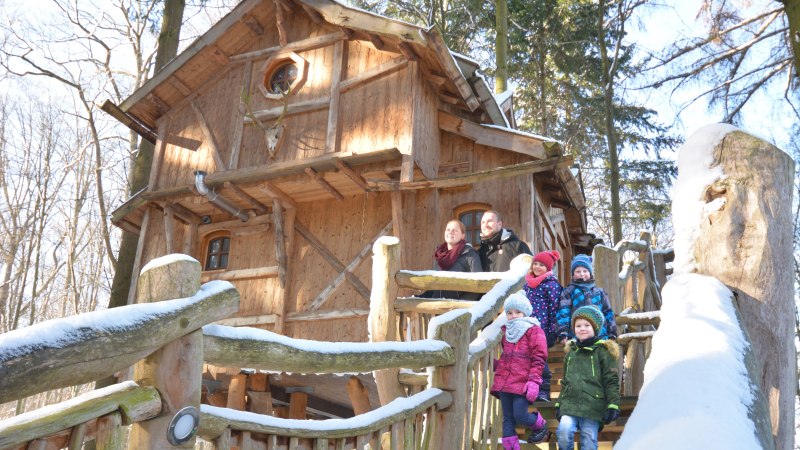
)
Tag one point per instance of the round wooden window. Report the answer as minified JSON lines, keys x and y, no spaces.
{"x":281,"y":79}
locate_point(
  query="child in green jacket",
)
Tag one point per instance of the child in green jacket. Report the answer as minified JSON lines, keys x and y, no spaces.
{"x":590,"y":387}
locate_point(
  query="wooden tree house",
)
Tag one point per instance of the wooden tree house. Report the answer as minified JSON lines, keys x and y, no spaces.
{"x":294,"y":133}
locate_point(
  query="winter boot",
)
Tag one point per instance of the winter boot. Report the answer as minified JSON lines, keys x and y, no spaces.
{"x":511,"y":443}
{"x":539,"y":433}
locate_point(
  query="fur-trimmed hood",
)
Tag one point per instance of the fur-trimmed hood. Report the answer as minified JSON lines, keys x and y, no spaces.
{"x":610,"y":344}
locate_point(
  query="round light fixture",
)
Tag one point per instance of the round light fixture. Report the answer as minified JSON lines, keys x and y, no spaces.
{"x":183,"y":425}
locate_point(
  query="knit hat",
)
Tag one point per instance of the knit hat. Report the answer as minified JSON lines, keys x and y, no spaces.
{"x":581,"y":261}
{"x":547,"y":258}
{"x":519,"y":302}
{"x":590,"y":313}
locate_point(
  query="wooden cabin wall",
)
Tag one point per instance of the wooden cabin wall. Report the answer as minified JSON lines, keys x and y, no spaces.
{"x":344,"y":228}
{"x":424,"y":120}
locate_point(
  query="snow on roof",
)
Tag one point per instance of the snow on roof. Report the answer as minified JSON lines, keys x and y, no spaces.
{"x":696,"y":392}
{"x":503,"y":96}
{"x":59,"y":333}
{"x":695,"y":173}
{"x":396,"y":406}
{"x":521,"y":133}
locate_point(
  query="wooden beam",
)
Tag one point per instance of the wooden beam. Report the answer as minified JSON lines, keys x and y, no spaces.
{"x":312,"y":316}
{"x":273,"y":191}
{"x":384,"y":69}
{"x":183,"y":214}
{"x":313,"y":14}
{"x":158,"y":155}
{"x":280,"y":245}
{"x":296,"y":46}
{"x":234,"y":224}
{"x":376,"y":41}
{"x":253,"y":24}
{"x":279,"y":23}
{"x":494,"y":136}
{"x":337,"y":71}
{"x":338,"y":14}
{"x":451,"y":68}
{"x":237,"y":119}
{"x":137,"y":262}
{"x":354,"y":176}
{"x":467,"y":179}
{"x":359,"y":396}
{"x":258,"y":174}
{"x":237,"y":389}
{"x":169,"y":229}
{"x":157,"y":103}
{"x":241,"y":274}
{"x":218,"y":55}
{"x":407,"y":51}
{"x":179,"y":85}
{"x":210,"y":140}
{"x":318,"y":177}
{"x":291,"y":216}
{"x":308,"y":106}
{"x":247,"y":198}
{"x":129,"y":120}
{"x":265,"y":319}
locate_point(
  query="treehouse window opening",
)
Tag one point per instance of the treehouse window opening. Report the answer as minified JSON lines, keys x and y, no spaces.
{"x":470,"y":215}
{"x":218,"y":251}
{"x":282,"y":78}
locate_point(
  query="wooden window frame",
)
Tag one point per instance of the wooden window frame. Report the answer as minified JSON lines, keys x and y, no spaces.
{"x":276,"y":62}
{"x":207,"y":239}
{"x":468,"y":207}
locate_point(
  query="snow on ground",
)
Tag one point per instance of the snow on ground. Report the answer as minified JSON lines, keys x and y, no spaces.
{"x":696,"y":391}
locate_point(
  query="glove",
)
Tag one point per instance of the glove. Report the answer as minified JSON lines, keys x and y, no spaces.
{"x":610,"y":415}
{"x":558,"y":413}
{"x":531,"y":391}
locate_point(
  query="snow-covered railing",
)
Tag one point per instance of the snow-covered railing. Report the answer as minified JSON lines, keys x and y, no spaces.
{"x":399,"y":424}
{"x":79,"y":349}
{"x":631,"y":273}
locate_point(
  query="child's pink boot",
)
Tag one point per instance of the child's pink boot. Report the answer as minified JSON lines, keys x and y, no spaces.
{"x":511,"y":443}
{"x":539,"y":433}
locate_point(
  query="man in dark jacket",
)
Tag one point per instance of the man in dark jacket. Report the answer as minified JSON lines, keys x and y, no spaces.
{"x":498,"y":245}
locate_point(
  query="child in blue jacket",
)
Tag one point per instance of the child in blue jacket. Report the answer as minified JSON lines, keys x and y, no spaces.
{"x":580,"y":292}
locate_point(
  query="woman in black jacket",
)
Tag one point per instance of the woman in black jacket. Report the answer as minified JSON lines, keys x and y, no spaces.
{"x":455,"y":255}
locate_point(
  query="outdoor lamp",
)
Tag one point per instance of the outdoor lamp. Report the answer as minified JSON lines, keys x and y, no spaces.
{"x":183,"y":425}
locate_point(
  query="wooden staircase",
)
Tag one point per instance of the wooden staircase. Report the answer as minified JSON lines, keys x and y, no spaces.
{"x":607,"y":436}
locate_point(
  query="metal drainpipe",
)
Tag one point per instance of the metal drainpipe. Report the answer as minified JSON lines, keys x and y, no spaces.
{"x":213,"y":197}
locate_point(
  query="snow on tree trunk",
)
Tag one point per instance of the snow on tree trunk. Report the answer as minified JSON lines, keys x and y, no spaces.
{"x":744,"y":239}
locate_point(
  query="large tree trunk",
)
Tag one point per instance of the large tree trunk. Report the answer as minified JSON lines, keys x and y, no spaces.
{"x":747,"y":244}
{"x":501,"y":46}
{"x":792,"y":8}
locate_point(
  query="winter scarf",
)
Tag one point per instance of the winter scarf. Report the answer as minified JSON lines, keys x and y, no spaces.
{"x":517,"y":327}
{"x":534,"y":281}
{"x":586,"y":285}
{"x":446,"y":258}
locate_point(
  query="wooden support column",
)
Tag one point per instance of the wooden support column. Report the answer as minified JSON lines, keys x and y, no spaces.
{"x":747,"y":244}
{"x":331,"y":141}
{"x":282,"y":313}
{"x":137,"y":263}
{"x":169,"y":228}
{"x":280,"y":244}
{"x":279,"y":23}
{"x":158,"y":155}
{"x":359,"y":396}
{"x":210,"y":140}
{"x":237,"y":391}
{"x":175,"y":369}
{"x":451,"y":421}
{"x":259,"y":394}
{"x":110,"y":433}
{"x":382,"y":318}
{"x":606,"y":263}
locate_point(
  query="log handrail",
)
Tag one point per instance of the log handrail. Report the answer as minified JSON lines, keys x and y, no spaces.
{"x":214,"y":420}
{"x":136,"y":403}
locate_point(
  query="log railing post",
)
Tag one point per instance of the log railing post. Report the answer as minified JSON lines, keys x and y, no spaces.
{"x":382,"y":318}
{"x":746,"y":243}
{"x":453,"y":328}
{"x":175,"y":369}
{"x":606,"y":263}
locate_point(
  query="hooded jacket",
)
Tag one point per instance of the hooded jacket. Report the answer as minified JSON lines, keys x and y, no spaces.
{"x":497,"y":251}
{"x":591,"y":379}
{"x":580,"y":294}
{"x":520,"y":362}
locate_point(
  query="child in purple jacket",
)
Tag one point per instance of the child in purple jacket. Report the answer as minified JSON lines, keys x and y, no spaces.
{"x":543,"y":291}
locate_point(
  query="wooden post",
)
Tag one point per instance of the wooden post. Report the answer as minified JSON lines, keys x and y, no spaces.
{"x":606,"y":264}
{"x":452,"y":420}
{"x":359,"y":396}
{"x":747,"y":244}
{"x":175,"y":369}
{"x":382,"y":318}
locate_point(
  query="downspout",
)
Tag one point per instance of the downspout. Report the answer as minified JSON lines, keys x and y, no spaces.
{"x":213,"y":197}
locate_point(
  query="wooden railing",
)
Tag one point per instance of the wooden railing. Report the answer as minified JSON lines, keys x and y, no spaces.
{"x":632,"y":274}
